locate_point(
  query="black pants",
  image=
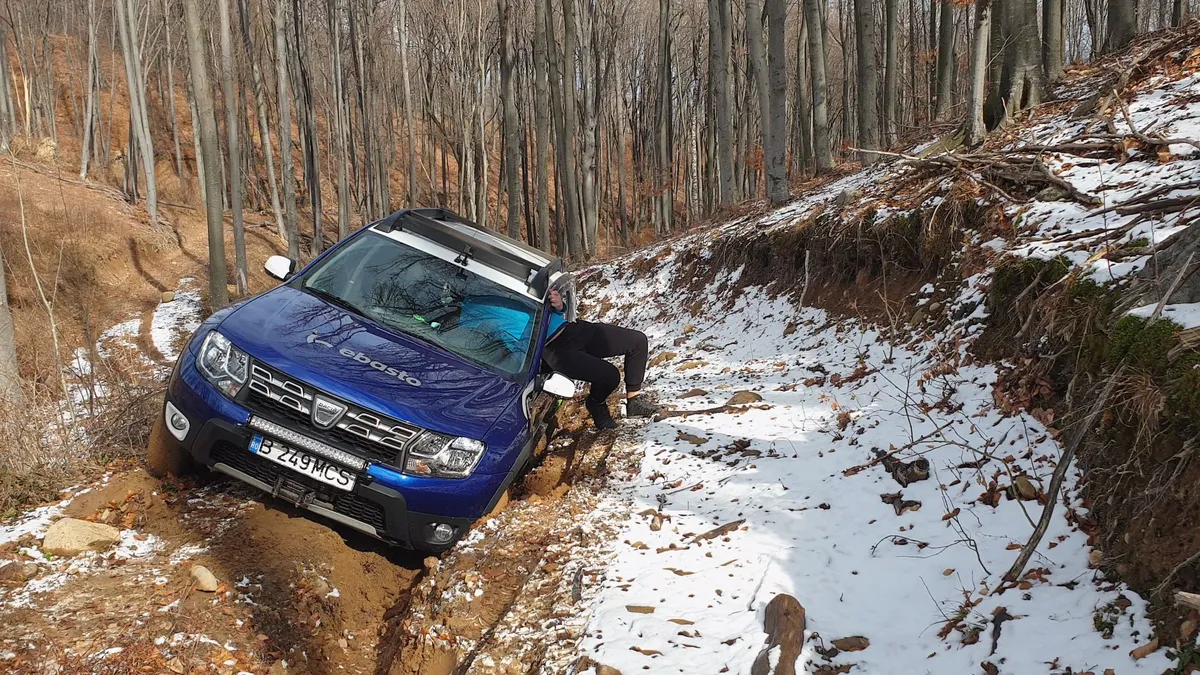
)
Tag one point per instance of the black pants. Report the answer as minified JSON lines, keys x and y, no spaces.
{"x":579,"y":348}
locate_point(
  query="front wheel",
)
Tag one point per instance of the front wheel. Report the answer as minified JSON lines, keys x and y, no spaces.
{"x":164,"y":455}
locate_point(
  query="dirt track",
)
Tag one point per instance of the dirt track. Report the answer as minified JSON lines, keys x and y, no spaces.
{"x":296,"y":589}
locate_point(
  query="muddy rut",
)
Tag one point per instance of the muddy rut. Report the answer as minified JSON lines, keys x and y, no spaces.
{"x":299,"y":595}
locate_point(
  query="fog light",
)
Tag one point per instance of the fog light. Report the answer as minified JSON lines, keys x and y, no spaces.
{"x":177,"y":423}
{"x":442,"y":533}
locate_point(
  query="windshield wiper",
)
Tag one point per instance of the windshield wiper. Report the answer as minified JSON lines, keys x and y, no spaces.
{"x":334,"y":300}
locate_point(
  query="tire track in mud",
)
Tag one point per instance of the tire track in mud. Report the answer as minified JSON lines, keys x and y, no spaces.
{"x":508,"y":598}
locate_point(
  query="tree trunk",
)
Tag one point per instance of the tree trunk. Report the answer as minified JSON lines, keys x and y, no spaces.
{"x":1052,"y":39}
{"x":264,"y":129}
{"x":512,"y":124}
{"x":756,"y":58}
{"x":946,"y":63}
{"x":10,"y":374}
{"x":566,"y":172}
{"x":1179,"y":12}
{"x":402,"y":47}
{"x":232,"y":122}
{"x":973,"y":129}
{"x":776,"y":150}
{"x":311,"y":141}
{"x":140,"y":127}
{"x":339,"y":124}
{"x":1021,"y":78}
{"x":287,"y":175}
{"x":814,"y":16}
{"x":541,"y":121}
{"x":171,"y":94}
{"x":868,"y":102}
{"x":802,"y":123}
{"x":1122,"y":24}
{"x":218,"y":293}
{"x":720,"y":65}
{"x":891,"y":70}
{"x":663,"y":173}
{"x":88,"y":116}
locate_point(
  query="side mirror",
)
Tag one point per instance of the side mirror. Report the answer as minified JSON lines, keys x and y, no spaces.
{"x":559,"y":386}
{"x":279,"y":267}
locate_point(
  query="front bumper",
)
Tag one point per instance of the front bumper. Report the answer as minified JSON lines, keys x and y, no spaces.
{"x":219,"y":438}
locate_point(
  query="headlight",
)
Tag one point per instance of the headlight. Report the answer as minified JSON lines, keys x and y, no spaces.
{"x":223,"y":364}
{"x":442,"y":456}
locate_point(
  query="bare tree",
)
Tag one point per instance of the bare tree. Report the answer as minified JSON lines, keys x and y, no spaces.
{"x":946,"y":67}
{"x":891,"y":70}
{"x":218,"y":293}
{"x":973,"y":127}
{"x":232,"y":121}
{"x":10,"y":375}
{"x":720,"y":65}
{"x":1122,"y":24}
{"x":139,"y":130}
{"x":814,"y":17}
{"x":541,"y":104}
{"x":264,"y":128}
{"x":512,"y":140}
{"x":284,"y":102}
{"x":868,"y":111}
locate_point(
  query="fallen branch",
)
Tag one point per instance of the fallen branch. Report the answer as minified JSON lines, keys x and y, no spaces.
{"x":1060,"y":474}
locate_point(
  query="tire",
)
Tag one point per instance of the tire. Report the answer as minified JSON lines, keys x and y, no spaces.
{"x":164,"y":455}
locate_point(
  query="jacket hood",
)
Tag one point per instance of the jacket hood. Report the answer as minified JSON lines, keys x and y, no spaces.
{"x":400,"y":376}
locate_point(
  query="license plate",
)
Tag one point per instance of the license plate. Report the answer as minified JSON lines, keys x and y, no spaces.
{"x":301,"y":462}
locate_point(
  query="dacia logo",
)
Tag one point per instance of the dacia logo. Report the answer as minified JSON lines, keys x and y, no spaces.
{"x":368,"y":361}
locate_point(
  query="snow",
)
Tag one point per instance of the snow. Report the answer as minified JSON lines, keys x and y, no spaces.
{"x":175,"y":319}
{"x":794,"y":479}
{"x":1187,"y":315}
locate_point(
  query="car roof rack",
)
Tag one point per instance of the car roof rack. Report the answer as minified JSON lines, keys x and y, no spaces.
{"x":473,"y":242}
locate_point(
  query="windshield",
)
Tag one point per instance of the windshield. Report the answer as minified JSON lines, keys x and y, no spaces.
{"x":416,"y":293}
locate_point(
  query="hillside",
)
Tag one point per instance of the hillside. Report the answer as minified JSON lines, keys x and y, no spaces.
{"x":873,"y":394}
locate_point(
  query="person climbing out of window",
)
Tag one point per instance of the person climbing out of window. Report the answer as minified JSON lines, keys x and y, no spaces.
{"x":578,"y":349}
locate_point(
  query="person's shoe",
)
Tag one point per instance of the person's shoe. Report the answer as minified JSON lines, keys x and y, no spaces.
{"x":601,"y":418}
{"x":641,"y":406}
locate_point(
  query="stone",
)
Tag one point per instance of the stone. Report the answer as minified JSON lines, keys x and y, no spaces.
{"x":935,"y":307}
{"x":691,"y":393}
{"x":1025,"y":487}
{"x":70,"y":536}
{"x":280,"y":667}
{"x":854,"y":643}
{"x":205,"y":580}
{"x":784,"y":623}
{"x":168,"y":296}
{"x":11,"y":570}
{"x":743,"y":398}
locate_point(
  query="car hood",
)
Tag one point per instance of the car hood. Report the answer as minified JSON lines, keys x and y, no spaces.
{"x":356,"y":360}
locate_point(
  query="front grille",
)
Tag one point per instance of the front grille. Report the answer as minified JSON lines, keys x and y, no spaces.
{"x":345,"y":503}
{"x":360,"y":431}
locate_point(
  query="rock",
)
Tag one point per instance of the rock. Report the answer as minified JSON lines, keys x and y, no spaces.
{"x":1052,"y":194}
{"x":919,"y":316}
{"x":784,"y":623}
{"x":854,"y":643}
{"x":935,"y":307}
{"x":743,"y":397}
{"x":69,"y":536}
{"x":847,"y":197}
{"x":205,"y":580}
{"x":692,"y":393}
{"x":584,"y":663}
{"x":168,"y":296}
{"x":29,"y":571}
{"x":1025,"y":487}
{"x":11,"y":570}
{"x":280,"y":667}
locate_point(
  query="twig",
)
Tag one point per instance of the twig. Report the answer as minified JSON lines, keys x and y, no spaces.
{"x":1162,"y":302}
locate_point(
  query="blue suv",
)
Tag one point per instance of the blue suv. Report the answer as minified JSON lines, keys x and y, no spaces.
{"x":395,"y":384}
